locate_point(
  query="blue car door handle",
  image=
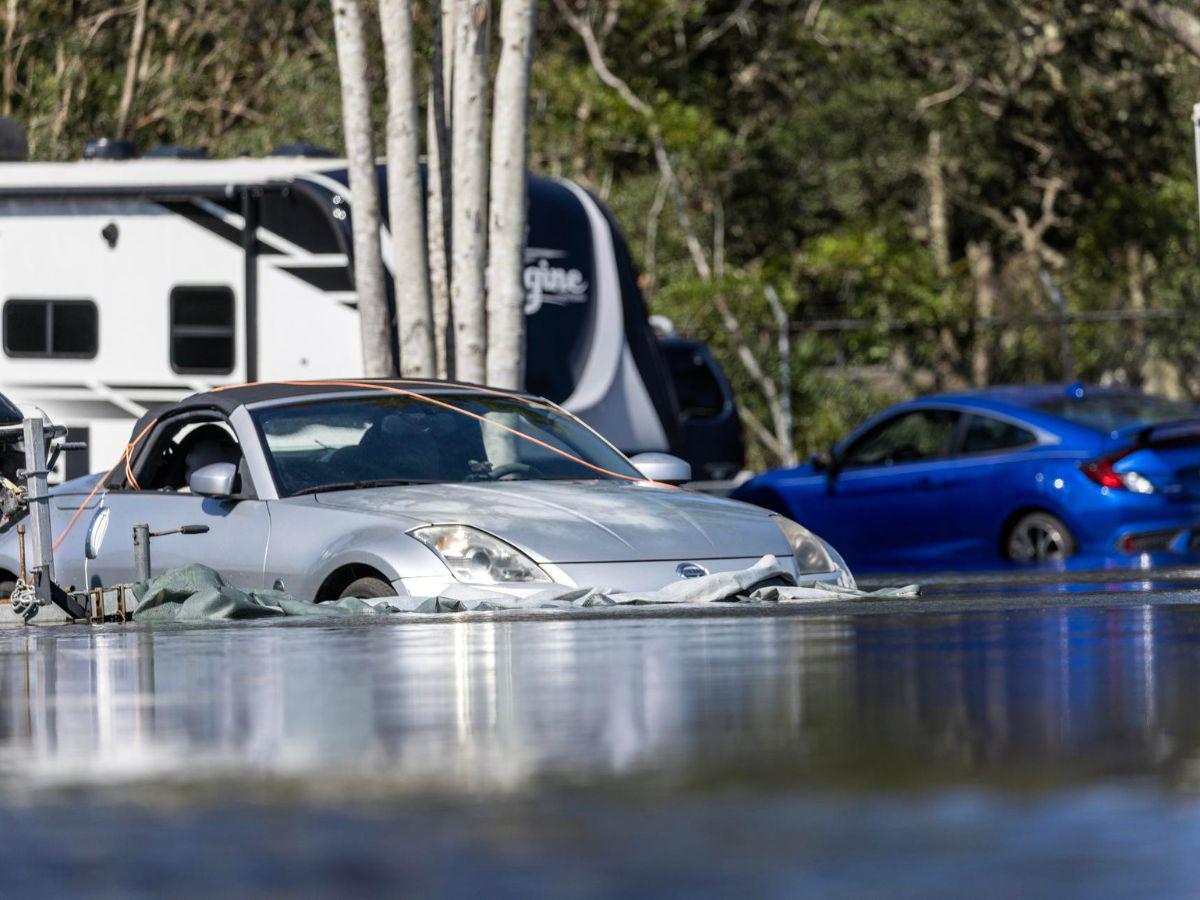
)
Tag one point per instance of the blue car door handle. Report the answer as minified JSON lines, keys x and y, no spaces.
{"x":927,"y":483}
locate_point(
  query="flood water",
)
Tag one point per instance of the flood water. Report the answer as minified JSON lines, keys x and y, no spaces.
{"x":993,"y":743}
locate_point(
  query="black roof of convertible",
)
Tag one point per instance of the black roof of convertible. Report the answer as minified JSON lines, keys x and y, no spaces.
{"x":226,"y":400}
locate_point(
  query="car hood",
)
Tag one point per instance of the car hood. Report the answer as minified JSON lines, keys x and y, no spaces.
{"x":566,"y":522}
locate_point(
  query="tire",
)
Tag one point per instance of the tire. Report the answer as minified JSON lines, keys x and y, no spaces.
{"x":1039,"y":537}
{"x":367,"y":588}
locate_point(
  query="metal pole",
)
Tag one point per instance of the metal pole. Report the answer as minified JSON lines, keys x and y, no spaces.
{"x":21,"y":551}
{"x":141,"y":552}
{"x":39,"y":506}
{"x":250,"y":279}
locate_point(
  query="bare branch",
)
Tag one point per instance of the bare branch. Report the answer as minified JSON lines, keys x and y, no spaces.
{"x":945,"y":96}
{"x":737,"y":18}
{"x":136,"y":41}
{"x":760,"y":431}
{"x":1178,"y":24}
{"x":583,"y":27}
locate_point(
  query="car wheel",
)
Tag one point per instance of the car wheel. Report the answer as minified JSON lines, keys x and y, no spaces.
{"x":1039,"y":537}
{"x":367,"y":588}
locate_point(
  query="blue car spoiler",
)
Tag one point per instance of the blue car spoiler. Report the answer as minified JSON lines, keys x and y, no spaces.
{"x":1169,"y":432}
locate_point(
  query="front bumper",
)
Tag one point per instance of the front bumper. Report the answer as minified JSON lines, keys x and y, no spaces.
{"x":639,"y":576}
{"x":1181,"y":539}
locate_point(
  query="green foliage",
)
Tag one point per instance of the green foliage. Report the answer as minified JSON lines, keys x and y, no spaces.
{"x":801,"y":136}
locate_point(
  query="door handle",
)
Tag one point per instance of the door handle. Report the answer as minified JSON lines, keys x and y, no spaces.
{"x":932,"y":484}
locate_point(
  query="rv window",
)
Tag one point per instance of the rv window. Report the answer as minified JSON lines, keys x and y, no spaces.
{"x":296,"y":218}
{"x":51,"y":328}
{"x":202,"y":330}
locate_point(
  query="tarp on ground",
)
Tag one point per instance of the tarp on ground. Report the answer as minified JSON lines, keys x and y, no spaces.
{"x":198,"y":593}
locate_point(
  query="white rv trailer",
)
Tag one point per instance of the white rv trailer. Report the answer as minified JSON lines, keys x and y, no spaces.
{"x":125,"y":284}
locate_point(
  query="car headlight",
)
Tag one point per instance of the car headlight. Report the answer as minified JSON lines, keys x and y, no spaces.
{"x":476,"y":557}
{"x":813,"y":556}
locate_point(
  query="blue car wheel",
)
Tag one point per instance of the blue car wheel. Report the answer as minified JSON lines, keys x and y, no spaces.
{"x":1039,"y":537}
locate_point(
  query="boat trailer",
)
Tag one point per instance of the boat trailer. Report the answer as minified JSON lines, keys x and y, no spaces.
{"x":29,"y":451}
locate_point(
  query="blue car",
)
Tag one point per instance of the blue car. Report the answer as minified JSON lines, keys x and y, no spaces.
{"x":1014,"y":474}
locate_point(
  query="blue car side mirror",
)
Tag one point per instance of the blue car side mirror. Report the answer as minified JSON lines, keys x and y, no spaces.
{"x":823,"y":462}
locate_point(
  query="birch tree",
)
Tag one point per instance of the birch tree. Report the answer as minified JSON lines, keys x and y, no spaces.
{"x":132,"y":62}
{"x":374,"y":319}
{"x":410,"y":272}
{"x":1175,"y":22}
{"x":438,"y":197}
{"x":469,"y":170}
{"x":506,"y":230}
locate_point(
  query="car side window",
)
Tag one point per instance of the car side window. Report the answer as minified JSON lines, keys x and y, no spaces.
{"x":916,"y":436}
{"x":988,"y":435}
{"x":181,"y":450}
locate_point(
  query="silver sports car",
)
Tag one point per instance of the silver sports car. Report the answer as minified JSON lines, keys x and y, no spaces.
{"x":332,"y":489}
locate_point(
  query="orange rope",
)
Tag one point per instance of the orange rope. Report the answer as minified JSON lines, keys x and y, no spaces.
{"x":124,"y":458}
{"x":435,"y":402}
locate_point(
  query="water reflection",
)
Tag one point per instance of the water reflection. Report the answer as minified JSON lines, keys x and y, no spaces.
{"x":498,"y":705}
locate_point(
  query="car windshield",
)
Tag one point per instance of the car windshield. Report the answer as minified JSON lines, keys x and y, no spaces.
{"x":452,"y":437}
{"x":1112,"y":412}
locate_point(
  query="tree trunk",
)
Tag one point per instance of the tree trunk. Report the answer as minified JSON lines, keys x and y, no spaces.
{"x":1178,"y":24}
{"x":374,"y":319}
{"x":410,"y":273}
{"x":939,"y":218}
{"x":438,"y":184}
{"x":10,"y":57}
{"x":783,"y":339}
{"x":437,"y":210}
{"x":469,"y":169}
{"x":507,"y":203}
{"x":983,"y":279}
{"x":1137,"y":305}
{"x":129,"y":89}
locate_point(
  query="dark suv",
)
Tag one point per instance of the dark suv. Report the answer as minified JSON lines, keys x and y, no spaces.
{"x":712,"y":431}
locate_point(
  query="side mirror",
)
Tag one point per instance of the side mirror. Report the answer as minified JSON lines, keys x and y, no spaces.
{"x":663,"y":467}
{"x":214,"y":480}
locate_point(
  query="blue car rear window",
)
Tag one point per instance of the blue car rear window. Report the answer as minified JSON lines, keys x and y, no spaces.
{"x":1115,"y":411}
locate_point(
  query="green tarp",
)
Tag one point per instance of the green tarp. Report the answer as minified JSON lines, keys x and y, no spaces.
{"x":198,"y":593}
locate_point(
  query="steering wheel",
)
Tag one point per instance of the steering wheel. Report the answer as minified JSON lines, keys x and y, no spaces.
{"x":514,"y":468}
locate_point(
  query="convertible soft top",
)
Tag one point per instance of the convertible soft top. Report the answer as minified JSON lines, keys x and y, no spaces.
{"x":226,"y":400}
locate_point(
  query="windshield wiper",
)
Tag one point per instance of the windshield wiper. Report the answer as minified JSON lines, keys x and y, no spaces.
{"x":356,"y":485}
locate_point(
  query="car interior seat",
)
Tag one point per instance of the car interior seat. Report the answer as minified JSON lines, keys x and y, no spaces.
{"x":208,"y":444}
{"x":401,"y":446}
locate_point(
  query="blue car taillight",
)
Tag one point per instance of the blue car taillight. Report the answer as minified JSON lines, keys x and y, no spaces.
{"x":1101,"y":471}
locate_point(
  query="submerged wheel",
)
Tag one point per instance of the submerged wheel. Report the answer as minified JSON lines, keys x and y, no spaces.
{"x":366,"y":588}
{"x":1039,"y":537}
